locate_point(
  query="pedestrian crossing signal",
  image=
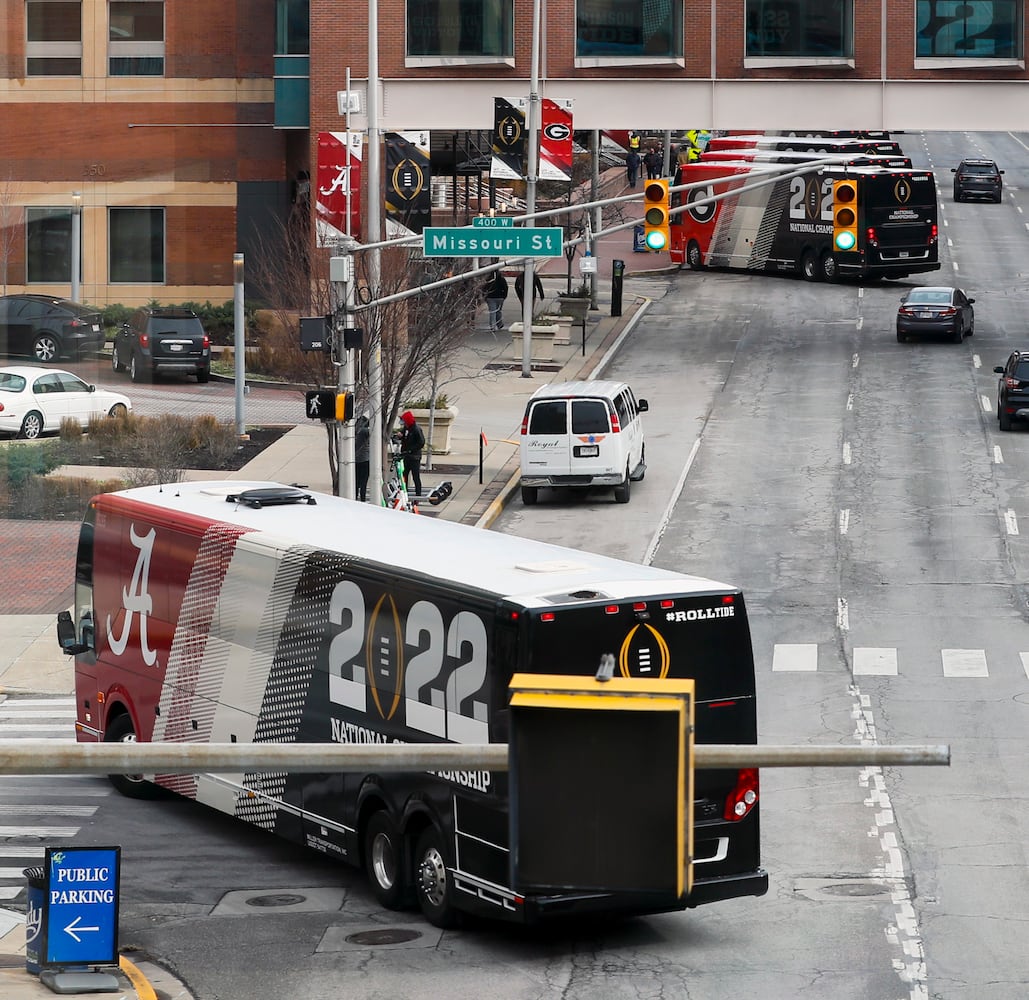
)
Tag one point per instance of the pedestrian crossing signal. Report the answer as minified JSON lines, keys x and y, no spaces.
{"x":844,"y":215}
{"x":326,"y":404}
{"x":656,"y":215}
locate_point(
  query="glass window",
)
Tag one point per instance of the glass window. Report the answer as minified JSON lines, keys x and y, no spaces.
{"x":980,"y":29}
{"x":550,"y":417}
{"x":53,"y":40}
{"x":136,"y":36}
{"x":292,"y":31}
{"x":589,"y":416}
{"x":460,"y":28}
{"x":800,"y":28}
{"x":628,"y":28}
{"x":48,"y":245}
{"x":136,"y":242}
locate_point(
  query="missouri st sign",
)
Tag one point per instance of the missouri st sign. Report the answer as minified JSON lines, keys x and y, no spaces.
{"x":478,"y":241}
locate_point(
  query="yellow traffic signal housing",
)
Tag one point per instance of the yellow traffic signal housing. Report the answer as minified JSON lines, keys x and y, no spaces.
{"x":345,"y":406}
{"x":844,"y":215}
{"x":656,"y":215}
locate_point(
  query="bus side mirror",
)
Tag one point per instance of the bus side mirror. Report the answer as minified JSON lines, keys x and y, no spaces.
{"x":66,"y":635}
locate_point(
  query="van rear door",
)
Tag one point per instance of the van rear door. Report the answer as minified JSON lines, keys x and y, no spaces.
{"x":545,"y":445}
{"x":595,"y":450}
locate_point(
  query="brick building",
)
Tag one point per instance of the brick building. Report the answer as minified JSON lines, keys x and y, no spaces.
{"x":186,"y":127}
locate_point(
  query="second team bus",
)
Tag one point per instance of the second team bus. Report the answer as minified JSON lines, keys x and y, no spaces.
{"x":253,"y":612}
{"x":737,"y":216}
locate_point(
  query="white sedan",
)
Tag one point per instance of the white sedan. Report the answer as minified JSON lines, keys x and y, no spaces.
{"x":34,"y":400}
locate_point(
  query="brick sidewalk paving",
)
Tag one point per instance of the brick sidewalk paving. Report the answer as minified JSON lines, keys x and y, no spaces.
{"x":38,"y":566}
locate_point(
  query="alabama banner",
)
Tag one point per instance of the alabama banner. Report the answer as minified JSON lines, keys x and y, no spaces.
{"x":508,"y":162}
{"x":408,"y":182}
{"x":556,"y":141}
{"x":339,"y":187}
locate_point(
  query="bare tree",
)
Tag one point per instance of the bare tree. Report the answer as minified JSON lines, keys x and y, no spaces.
{"x":11,"y":215}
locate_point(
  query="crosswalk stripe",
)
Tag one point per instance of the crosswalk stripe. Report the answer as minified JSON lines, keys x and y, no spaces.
{"x":22,"y":852}
{"x":10,"y":891}
{"x":964,"y":663}
{"x":883,"y":661}
{"x":39,"y":809}
{"x":795,"y":656}
{"x":38,"y":831}
{"x":870,"y":660}
{"x":17,"y":712}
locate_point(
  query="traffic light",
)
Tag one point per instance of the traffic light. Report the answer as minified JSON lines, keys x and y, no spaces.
{"x":327,"y":404}
{"x":844,"y":215}
{"x":656,"y":215}
{"x":345,"y":406}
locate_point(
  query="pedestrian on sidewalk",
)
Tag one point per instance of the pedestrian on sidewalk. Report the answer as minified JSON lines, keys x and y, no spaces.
{"x":412,"y":441}
{"x":496,"y":293}
{"x":537,"y":288}
{"x":632,"y":167}
{"x":652,"y":161}
{"x":362,"y":455}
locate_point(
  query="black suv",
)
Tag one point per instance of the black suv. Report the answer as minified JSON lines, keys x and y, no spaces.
{"x":980,"y":178}
{"x":162,"y":340}
{"x":1013,"y":389}
{"x":45,"y":327}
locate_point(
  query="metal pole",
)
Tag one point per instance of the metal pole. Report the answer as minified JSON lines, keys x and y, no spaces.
{"x":529,"y":274}
{"x":341,"y":274}
{"x":76,"y":243}
{"x":374,"y":216}
{"x":49,"y":757}
{"x":598,"y":212}
{"x":239,"y":341}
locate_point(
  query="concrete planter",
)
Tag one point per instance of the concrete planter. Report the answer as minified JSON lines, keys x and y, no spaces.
{"x":576,"y":306}
{"x":442,"y":422}
{"x":543,"y":337}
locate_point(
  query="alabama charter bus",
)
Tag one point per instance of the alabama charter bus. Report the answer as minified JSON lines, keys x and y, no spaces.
{"x":785,"y":225}
{"x":255,"y":612}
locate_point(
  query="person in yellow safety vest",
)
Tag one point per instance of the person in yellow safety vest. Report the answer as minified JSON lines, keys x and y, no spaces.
{"x":634,"y":141}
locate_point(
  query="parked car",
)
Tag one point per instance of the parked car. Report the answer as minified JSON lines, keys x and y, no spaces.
{"x":46,"y":328}
{"x":978,"y":178}
{"x":936,"y":309}
{"x":162,"y":341}
{"x":34,"y":400}
{"x":1013,"y":389}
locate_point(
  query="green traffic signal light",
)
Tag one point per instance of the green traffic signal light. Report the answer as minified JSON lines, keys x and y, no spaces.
{"x":655,"y":240}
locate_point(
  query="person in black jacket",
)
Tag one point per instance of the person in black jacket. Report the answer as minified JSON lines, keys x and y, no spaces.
{"x":537,"y":288}
{"x":412,"y":441}
{"x":495,"y":294}
{"x":362,"y":455}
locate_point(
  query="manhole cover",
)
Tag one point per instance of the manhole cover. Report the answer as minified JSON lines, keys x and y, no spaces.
{"x":276,"y":899}
{"x":387,"y":935}
{"x":854,"y":889}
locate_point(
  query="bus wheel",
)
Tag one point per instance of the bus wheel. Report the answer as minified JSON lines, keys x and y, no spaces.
{"x":809,"y":266}
{"x":133,"y":786}
{"x":383,"y":860}
{"x":434,"y":885}
{"x":693,"y":256}
{"x":830,"y":269}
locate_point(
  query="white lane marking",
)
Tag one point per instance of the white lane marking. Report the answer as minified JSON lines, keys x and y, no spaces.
{"x":850,"y":401}
{"x":795,"y":656}
{"x":872,"y":660}
{"x":964,"y":663}
{"x":662,"y":524}
{"x":860,"y":322}
{"x":1011,"y":522}
{"x":846,"y":453}
{"x":842,"y":616}
{"x":954,"y":264}
{"x":844,"y":520}
{"x":855,"y":360}
{"x":987,"y":403}
{"x":1024,"y":657}
{"x":976,"y":361}
{"x":950,"y":242}
{"x":998,"y":458}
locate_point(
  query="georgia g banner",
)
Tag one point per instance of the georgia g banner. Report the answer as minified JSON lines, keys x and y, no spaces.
{"x":556,"y":141}
{"x":408,"y":182}
{"x":508,"y":161}
{"x":339,"y":187}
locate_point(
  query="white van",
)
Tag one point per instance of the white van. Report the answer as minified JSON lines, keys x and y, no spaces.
{"x":582,"y":434}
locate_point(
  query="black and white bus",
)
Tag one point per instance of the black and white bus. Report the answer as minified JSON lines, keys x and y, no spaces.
{"x":253,"y":612}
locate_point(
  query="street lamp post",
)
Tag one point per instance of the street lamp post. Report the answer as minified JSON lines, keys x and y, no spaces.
{"x":76,"y":241}
{"x":239,"y":342}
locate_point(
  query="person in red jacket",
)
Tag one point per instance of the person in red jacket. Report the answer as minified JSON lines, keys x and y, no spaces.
{"x":412,"y":441}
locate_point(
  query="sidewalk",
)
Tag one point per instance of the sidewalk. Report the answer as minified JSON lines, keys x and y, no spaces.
{"x":489,"y":392}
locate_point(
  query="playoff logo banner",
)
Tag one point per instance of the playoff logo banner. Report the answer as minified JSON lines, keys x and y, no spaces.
{"x":338,"y":188}
{"x":408,"y":183}
{"x":556,"y":140}
{"x":508,"y":162}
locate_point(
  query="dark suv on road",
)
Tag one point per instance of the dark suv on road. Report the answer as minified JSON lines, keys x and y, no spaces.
{"x":47,"y":328}
{"x":1013,"y":389}
{"x":977,"y":178}
{"x":162,"y":341}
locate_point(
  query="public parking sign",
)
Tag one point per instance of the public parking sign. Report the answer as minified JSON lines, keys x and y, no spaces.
{"x":80,"y":906}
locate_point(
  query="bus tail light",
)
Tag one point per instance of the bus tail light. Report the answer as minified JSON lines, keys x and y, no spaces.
{"x":934,"y":233}
{"x":870,"y":237}
{"x":743,"y":797}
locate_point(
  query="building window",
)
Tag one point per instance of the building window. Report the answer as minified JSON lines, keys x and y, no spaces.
{"x":634,"y":29}
{"x":959,"y":29}
{"x":48,"y":245}
{"x":292,"y":30}
{"x":136,"y":241}
{"x":800,"y":29}
{"x":53,"y":41}
{"x":460,"y":29}
{"x":136,"y":45}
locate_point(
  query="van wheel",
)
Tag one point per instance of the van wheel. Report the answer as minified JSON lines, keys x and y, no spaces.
{"x":133,"y":786}
{"x":623,"y":489}
{"x":434,"y":884}
{"x":384,"y":860}
{"x":529,"y":495}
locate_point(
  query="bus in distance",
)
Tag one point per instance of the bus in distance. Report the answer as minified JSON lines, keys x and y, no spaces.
{"x":736,"y":217}
{"x":814,"y":145}
{"x":260,"y":613}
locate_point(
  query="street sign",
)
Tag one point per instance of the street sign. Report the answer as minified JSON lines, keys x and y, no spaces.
{"x":543,"y":241}
{"x":81,"y":906}
{"x":493,"y":222}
